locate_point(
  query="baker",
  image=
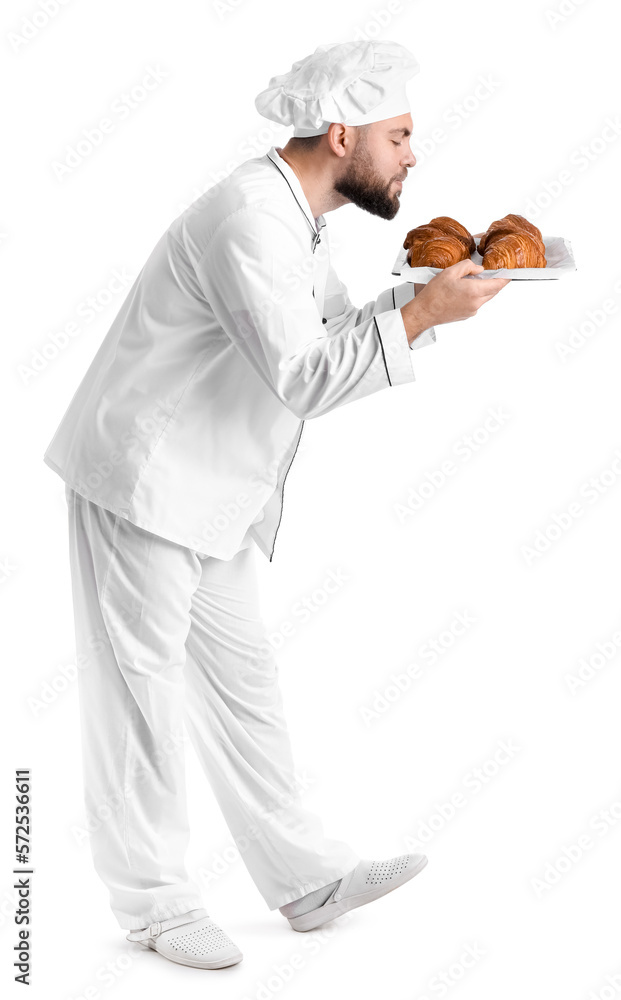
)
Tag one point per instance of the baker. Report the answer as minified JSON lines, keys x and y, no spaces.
{"x":174,"y":451}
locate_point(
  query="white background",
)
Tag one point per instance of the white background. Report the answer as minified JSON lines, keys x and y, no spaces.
{"x":500,"y":878}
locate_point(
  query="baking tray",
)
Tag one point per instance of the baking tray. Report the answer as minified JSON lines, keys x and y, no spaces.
{"x":559,"y":257}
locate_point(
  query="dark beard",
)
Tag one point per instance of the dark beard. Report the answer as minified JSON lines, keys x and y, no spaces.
{"x":362,"y":186}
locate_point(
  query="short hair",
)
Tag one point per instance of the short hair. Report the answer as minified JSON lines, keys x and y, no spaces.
{"x":303,"y":144}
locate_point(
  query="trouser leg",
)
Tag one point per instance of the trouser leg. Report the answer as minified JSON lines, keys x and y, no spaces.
{"x":132,"y":594}
{"x":235,"y":718}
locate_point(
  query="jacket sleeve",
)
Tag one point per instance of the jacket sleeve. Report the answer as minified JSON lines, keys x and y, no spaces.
{"x":256,"y":275}
{"x":340,"y":312}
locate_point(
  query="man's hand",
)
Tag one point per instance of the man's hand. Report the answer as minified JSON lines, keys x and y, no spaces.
{"x":448,"y":297}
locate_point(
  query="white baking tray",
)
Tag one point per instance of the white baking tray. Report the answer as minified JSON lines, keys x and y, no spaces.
{"x":559,"y":257}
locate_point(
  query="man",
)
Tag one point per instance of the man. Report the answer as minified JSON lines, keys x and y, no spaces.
{"x":174,"y":451}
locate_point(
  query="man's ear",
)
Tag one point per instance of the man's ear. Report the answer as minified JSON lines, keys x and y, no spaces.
{"x":338,"y":138}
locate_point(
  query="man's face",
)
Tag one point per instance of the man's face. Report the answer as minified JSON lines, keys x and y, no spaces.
{"x":378,"y":162}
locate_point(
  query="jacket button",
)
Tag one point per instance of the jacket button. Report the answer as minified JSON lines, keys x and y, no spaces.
{"x":324,"y":320}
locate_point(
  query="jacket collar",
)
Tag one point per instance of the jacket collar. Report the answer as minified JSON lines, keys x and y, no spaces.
{"x":297,"y":190}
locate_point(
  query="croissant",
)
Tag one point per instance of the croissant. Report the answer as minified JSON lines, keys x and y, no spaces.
{"x":455,"y":229}
{"x":513,"y":249}
{"x":509,"y":242}
{"x":455,"y":243}
{"x":417,"y":239}
{"x":422,"y":232}
{"x":500,"y":233}
{"x":438,"y":251}
{"x":513,"y":223}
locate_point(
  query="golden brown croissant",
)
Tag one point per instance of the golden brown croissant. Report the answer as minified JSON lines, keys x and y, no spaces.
{"x":416,"y":239}
{"x":422,"y":232}
{"x":500,"y":233}
{"x":509,"y":242}
{"x":421,"y":253}
{"x":513,"y":249}
{"x":513,"y":223}
{"x":438,"y":251}
{"x":455,"y":228}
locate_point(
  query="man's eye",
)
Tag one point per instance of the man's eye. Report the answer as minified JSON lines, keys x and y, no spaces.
{"x":395,"y":143}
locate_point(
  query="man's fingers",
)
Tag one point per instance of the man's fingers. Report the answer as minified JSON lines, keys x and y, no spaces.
{"x":464,"y":267}
{"x":493,"y":285}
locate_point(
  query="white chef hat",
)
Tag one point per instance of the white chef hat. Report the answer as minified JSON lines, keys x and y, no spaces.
{"x":350,"y":82}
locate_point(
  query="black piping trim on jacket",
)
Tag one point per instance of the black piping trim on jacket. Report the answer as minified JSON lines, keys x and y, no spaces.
{"x":282,"y":494}
{"x":394,"y":301}
{"x":313,"y":227}
{"x":316,"y":240}
{"x":382,"y":347}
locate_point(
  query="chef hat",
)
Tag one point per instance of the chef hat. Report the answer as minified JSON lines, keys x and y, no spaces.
{"x":350,"y":82}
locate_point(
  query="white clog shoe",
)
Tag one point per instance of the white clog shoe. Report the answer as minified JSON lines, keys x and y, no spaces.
{"x":367,"y":881}
{"x":190,"y":939}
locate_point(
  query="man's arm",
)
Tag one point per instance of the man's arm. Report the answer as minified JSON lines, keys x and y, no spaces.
{"x":339,"y":311}
{"x":249,"y":274}
{"x":419,"y":334}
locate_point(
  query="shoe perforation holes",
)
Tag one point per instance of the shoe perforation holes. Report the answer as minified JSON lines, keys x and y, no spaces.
{"x":383,"y":871}
{"x":200,"y":941}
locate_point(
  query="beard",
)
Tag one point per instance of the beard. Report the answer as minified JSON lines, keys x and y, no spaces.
{"x":363,"y":186}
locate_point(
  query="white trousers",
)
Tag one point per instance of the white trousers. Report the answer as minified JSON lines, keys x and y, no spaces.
{"x":170,"y":644}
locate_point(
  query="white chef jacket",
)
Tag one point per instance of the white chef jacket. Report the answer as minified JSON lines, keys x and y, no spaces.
{"x":235,"y":332}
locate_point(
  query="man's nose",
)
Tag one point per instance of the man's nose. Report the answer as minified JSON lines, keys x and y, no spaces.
{"x":410,"y":160}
